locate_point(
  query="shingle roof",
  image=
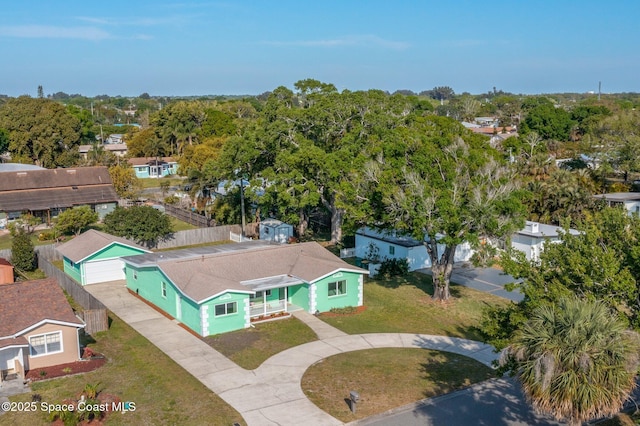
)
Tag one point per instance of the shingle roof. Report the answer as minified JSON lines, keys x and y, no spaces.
{"x":54,"y":178}
{"x":44,"y":189}
{"x":30,"y":302}
{"x":210,"y":274}
{"x":90,"y":242}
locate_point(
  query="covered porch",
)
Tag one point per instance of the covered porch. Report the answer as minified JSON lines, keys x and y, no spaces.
{"x":271,"y":296}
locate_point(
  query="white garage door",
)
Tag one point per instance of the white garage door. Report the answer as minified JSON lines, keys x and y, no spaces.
{"x":100,"y":271}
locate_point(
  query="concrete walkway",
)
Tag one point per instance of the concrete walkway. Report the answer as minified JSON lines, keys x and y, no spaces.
{"x":270,"y":394}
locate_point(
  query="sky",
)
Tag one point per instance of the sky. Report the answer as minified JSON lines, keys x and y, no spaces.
{"x":187,"y":48}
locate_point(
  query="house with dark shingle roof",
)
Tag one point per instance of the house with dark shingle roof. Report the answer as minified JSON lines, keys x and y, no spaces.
{"x":46,"y":193}
{"x":94,"y":257}
{"x":37,"y":327}
{"x":223,"y":288}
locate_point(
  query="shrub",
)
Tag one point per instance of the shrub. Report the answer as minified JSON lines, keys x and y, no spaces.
{"x":393,"y":267}
{"x":343,"y":311}
{"x":46,"y":236}
{"x":23,"y":255}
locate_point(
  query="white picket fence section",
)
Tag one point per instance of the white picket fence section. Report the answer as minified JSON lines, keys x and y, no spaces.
{"x":237,"y":238}
{"x":347,"y":252}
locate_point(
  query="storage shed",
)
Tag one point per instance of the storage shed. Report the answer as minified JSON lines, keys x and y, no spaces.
{"x":275,"y":230}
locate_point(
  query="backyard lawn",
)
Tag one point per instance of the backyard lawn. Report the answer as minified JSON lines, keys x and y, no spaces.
{"x":137,"y":371}
{"x":387,"y":378}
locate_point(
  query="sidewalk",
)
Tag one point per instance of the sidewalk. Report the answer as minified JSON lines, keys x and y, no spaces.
{"x":270,"y":394}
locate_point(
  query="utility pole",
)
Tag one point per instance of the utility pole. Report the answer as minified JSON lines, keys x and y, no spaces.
{"x":599,"y":89}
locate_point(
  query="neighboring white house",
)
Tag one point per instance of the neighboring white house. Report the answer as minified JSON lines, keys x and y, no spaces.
{"x":391,"y":245}
{"x":275,"y":230}
{"x":531,"y":239}
{"x":629,"y":200}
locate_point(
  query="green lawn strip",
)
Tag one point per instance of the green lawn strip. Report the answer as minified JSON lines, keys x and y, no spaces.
{"x":251,"y":347}
{"x":404,"y":305}
{"x":155,"y":182}
{"x":136,"y":371}
{"x":179,"y":225}
{"x":5,"y":240}
{"x":387,"y":378}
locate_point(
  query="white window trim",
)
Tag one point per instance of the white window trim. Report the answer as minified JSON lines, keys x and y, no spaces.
{"x":32,"y":355}
{"x":336,"y":284}
{"x":226,"y":314}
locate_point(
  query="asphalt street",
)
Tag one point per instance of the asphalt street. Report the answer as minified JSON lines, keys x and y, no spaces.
{"x":497,"y":402}
{"x":488,"y":280}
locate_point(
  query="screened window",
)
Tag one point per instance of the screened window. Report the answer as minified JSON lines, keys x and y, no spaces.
{"x":44,"y":344}
{"x":164,"y":289}
{"x":226,"y":308}
{"x":337,"y":288}
{"x":392,"y":250}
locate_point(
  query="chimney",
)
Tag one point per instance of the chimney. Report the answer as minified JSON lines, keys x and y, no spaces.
{"x":532,"y":227}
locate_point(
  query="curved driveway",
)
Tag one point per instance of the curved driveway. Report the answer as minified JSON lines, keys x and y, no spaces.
{"x":270,"y":394}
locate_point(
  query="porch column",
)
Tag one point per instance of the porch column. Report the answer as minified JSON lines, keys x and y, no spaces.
{"x":264,"y":302}
{"x":286,"y":296}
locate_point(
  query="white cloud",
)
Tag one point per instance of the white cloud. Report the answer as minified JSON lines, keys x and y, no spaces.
{"x":45,"y":31}
{"x":352,"y":40}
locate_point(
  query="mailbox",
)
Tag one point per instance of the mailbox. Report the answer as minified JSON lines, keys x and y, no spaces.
{"x":355,"y":396}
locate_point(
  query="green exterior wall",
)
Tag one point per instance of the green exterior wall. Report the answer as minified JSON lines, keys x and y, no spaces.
{"x":113,"y":251}
{"x":230,"y":322}
{"x":299,"y":296}
{"x":148,"y":285}
{"x":325,"y":303}
{"x":73,"y":270}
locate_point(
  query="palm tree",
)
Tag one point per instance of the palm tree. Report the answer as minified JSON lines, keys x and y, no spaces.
{"x":575,"y":360}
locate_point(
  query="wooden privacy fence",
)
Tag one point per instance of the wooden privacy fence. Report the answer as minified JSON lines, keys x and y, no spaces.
{"x":93,"y":309}
{"x":188,"y":216}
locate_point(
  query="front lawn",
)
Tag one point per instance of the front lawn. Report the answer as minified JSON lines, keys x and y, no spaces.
{"x":163,"y":392}
{"x":387,"y":378}
{"x":252,"y":346}
{"x":404,"y":305}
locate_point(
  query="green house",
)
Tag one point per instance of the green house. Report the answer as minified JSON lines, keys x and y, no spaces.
{"x":223,"y":288}
{"x":95,"y":257}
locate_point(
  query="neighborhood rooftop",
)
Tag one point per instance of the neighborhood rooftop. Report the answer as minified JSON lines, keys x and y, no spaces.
{"x":90,"y":242}
{"x":31,"y":302}
{"x":535,"y":229}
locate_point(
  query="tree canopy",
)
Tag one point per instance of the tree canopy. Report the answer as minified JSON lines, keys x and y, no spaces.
{"x":41,"y":131}
{"x":75,"y":220}
{"x":443,"y":185}
{"x":142,"y":224}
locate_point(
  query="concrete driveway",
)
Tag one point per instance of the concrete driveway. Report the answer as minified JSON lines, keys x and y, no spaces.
{"x":488,"y":280}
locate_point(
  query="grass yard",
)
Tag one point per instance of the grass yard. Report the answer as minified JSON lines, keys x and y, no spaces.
{"x":5,"y":240}
{"x":179,"y":225}
{"x":387,"y":378}
{"x":251,"y":347}
{"x":136,"y":371}
{"x":404,"y":305}
{"x":155,"y":183}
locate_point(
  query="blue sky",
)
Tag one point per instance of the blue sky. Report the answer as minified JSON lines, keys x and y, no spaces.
{"x":248,"y":47}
